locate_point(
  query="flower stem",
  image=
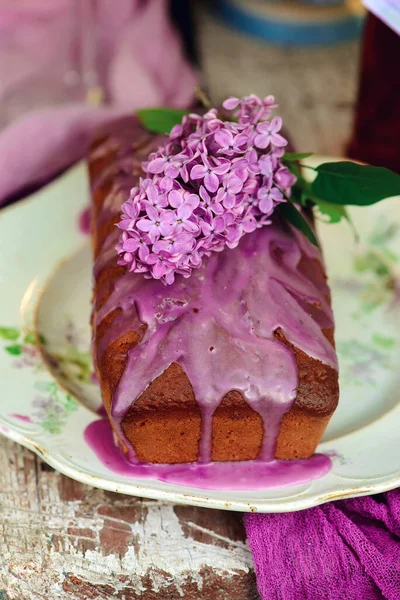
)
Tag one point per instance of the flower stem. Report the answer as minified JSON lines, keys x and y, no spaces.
{"x":303,"y":166}
{"x":202,"y":97}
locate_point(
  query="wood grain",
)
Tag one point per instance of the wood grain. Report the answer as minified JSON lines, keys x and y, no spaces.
{"x":61,"y":540}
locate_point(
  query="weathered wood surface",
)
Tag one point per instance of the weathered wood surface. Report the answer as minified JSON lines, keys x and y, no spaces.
{"x":63,"y":540}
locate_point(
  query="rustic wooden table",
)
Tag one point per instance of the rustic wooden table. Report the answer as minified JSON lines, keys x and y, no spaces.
{"x":64,"y":540}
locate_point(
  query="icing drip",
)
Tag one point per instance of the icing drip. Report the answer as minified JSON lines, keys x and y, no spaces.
{"x":253,"y":475}
{"x":219,"y":325}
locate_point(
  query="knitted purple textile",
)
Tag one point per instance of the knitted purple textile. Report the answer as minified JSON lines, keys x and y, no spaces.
{"x":347,"y":550}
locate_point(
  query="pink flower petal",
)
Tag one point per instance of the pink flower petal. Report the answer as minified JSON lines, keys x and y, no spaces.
{"x":249,"y":224}
{"x":154,"y":234}
{"x":125,"y":224}
{"x":224,"y":138}
{"x":219,"y":224}
{"x":172,"y":170}
{"x":144,"y":225}
{"x":263,"y":127}
{"x":143,"y":252}
{"x":276,"y":194}
{"x":157,"y":165}
{"x":231,"y":103}
{"x":211,"y":182}
{"x":166,"y":228}
{"x":185,"y":174}
{"x":204,"y":195}
{"x":229,"y":201}
{"x":152,"y":193}
{"x":217,"y":208}
{"x":152,"y":212}
{"x":166,"y":184}
{"x":176,"y":132}
{"x":266,"y":205}
{"x":222,"y":168}
{"x":234,"y":184}
{"x":131,"y":245}
{"x":175,"y":198}
{"x":276,"y":124}
{"x":198,"y":172}
{"x":184,"y":211}
{"x":152,"y":259}
{"x":234,"y":233}
{"x":241,"y":140}
{"x":159,"y":270}
{"x":265,"y":165}
{"x":169,"y":278}
{"x":193,"y":200}
{"x":261,"y":141}
{"x":130,"y":208}
{"x":278,"y":140}
{"x":190,"y":226}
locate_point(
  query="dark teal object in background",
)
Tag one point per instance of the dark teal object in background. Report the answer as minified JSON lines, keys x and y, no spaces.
{"x":271,"y":21}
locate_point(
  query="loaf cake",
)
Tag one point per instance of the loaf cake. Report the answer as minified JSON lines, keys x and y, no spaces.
{"x":234,"y":363}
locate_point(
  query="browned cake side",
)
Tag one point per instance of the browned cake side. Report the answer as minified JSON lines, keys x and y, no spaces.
{"x":163,"y":424}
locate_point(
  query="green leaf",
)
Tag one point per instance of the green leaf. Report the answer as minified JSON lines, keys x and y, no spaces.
{"x":334,"y":212}
{"x":295,"y":218}
{"x":301,"y":190}
{"x":30,"y":338}
{"x":160,"y":120}
{"x":359,"y":185}
{"x":15,"y":350}
{"x":304,"y":198}
{"x":9,"y":333}
{"x":293,"y":156}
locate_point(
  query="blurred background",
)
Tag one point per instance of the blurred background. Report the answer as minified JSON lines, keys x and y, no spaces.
{"x":67,"y":66}
{"x":305,"y":54}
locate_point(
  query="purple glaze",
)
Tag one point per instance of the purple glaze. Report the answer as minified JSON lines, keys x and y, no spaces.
{"x":241,"y":297}
{"x":250,"y":475}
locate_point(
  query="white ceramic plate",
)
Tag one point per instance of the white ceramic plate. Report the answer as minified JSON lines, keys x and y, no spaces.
{"x":45,"y":283}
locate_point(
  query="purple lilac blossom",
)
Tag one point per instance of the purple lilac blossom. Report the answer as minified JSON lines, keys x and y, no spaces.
{"x":212,"y":182}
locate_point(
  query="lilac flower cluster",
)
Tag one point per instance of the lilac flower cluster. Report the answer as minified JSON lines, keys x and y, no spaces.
{"x":217,"y":178}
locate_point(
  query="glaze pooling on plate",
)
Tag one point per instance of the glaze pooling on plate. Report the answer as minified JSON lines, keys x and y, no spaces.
{"x":249,"y":475}
{"x":219,"y":325}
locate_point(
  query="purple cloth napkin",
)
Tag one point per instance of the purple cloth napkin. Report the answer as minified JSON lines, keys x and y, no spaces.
{"x":345,"y":550}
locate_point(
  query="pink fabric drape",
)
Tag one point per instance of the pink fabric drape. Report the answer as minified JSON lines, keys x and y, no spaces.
{"x":139,"y":63}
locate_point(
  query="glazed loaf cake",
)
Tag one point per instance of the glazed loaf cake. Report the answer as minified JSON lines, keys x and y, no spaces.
{"x":235,"y":363}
